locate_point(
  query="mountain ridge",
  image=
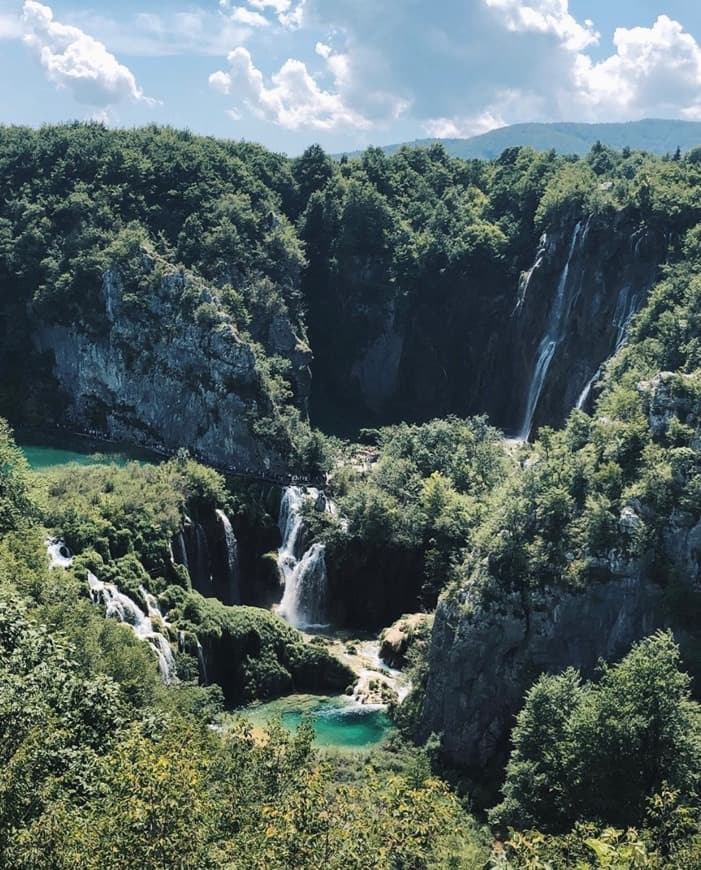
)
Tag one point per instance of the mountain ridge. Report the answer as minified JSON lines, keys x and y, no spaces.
{"x":657,"y":135}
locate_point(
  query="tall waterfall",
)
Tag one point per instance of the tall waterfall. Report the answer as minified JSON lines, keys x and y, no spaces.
{"x":232,"y":557}
{"x":304,"y":600}
{"x":627,"y":303}
{"x":144,"y":625}
{"x":550,"y":341}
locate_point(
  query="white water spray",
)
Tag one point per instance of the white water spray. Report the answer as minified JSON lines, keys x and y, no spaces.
{"x":59,"y":554}
{"x":144,"y":625}
{"x":304,"y":600}
{"x":232,"y":557}
{"x":550,"y":341}
{"x":627,"y":304}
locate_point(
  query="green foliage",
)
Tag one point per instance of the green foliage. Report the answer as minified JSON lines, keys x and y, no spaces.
{"x":584,"y":752}
{"x":255,"y":653}
{"x":15,"y":506}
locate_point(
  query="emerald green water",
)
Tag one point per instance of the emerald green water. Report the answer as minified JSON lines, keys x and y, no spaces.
{"x":336,"y":721}
{"x":55,"y":451}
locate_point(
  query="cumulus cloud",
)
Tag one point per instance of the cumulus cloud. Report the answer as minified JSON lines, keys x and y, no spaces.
{"x":293,"y":99}
{"x":287,"y":13}
{"x":460,"y":128}
{"x":242,"y":15}
{"x":546,"y":16}
{"x":76,"y":61}
{"x":655,"y":71}
{"x":278,"y":6}
{"x":469,"y":65}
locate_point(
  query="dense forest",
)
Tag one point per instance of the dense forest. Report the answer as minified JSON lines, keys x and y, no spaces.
{"x":371,"y":326}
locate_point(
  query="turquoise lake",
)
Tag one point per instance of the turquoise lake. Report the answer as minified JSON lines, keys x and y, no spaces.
{"x":52,"y":452}
{"x":337,"y":722}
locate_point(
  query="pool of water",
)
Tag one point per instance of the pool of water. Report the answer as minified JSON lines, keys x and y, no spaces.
{"x":337,"y":722}
{"x":55,"y":451}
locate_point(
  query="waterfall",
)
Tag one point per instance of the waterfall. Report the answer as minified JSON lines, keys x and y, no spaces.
{"x":181,"y":557}
{"x":232,"y":557}
{"x":144,"y":625}
{"x":202,"y":663}
{"x":627,"y":304}
{"x":59,"y":554}
{"x":182,"y":646}
{"x":525,"y":281}
{"x":586,"y":392}
{"x":550,"y":341}
{"x":304,"y":599}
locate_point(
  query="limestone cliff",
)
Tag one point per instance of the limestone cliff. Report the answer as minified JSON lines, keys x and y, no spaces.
{"x":490,"y":642}
{"x":471,"y":345}
{"x":484,"y":656}
{"x":167,"y":367}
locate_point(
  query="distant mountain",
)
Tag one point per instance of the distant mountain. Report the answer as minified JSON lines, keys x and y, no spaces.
{"x":654,"y":135}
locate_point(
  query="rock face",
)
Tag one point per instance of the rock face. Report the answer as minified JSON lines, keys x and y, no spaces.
{"x":481,"y":665}
{"x":472,"y":346}
{"x":604,"y":269}
{"x":156,"y":373}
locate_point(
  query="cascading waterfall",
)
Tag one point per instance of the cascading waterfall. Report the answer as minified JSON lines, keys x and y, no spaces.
{"x":144,"y":625}
{"x":232,"y":557}
{"x":550,"y":341}
{"x":59,"y":554}
{"x":627,"y":303}
{"x":304,"y":599}
{"x":526,"y":277}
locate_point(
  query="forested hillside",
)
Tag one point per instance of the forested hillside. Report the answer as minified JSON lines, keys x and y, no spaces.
{"x":242,"y":313}
{"x":655,"y":135}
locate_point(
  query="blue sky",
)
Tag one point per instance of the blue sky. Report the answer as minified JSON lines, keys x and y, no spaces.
{"x":347,"y":73}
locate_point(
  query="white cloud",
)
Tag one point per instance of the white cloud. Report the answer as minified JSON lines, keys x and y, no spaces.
{"x":293,"y":99}
{"x":76,"y":61}
{"x":655,"y":71}
{"x":294,"y":19}
{"x":278,"y":6}
{"x":546,"y":16}
{"x":290,"y":16}
{"x":460,"y":128}
{"x":466,"y":66}
{"x":248,"y":17}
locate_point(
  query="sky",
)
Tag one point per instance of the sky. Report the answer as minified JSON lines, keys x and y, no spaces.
{"x":348,"y":73}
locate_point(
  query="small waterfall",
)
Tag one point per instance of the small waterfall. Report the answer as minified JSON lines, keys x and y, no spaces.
{"x":144,"y":625}
{"x":59,"y":554}
{"x":182,"y":646}
{"x":586,"y":392}
{"x":550,"y":341}
{"x":203,"y":664}
{"x":525,"y":281}
{"x":232,"y":557}
{"x":180,"y":552}
{"x":627,"y":304}
{"x":304,"y":600}
{"x":290,"y":521}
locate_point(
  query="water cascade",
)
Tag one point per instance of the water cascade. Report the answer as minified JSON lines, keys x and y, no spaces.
{"x":232,"y":558}
{"x":185,"y":647}
{"x":550,"y":341}
{"x":144,"y":625}
{"x":59,"y":554}
{"x":526,"y":277}
{"x":627,"y":303}
{"x":304,"y":573}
